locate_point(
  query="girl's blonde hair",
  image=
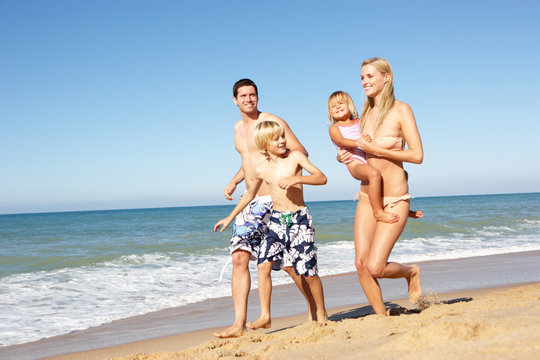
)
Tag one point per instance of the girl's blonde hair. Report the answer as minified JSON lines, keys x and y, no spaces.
{"x":336,"y":97}
{"x":387,"y":95}
{"x":266,"y":131}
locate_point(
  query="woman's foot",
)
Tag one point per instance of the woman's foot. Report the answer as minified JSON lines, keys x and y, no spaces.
{"x":415,"y":287}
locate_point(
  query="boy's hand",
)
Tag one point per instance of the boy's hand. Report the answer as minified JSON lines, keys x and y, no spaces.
{"x":229,"y":190}
{"x":223,"y":222}
{"x":287,"y":182}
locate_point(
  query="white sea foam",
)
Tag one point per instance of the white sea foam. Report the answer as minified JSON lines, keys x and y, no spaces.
{"x":48,"y":303}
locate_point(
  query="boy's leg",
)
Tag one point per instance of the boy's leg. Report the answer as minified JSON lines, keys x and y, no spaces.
{"x":300,"y":253}
{"x":316,"y":288}
{"x":373,"y":176}
{"x":303,"y":286}
{"x":265,"y":295}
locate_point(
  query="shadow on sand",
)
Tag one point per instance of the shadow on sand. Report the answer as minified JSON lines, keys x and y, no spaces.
{"x":392,"y":309}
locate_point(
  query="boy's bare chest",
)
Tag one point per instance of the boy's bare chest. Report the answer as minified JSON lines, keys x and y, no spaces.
{"x":274,"y":172}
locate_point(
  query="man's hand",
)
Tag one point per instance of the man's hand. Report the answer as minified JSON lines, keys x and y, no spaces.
{"x":229,"y":190}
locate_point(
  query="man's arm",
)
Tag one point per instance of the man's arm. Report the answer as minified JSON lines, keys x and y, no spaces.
{"x":292,"y":141}
{"x":231,"y":187}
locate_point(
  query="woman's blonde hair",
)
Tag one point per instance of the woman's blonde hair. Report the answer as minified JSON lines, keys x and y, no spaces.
{"x":266,"y":131}
{"x":387,"y":96}
{"x":336,"y":97}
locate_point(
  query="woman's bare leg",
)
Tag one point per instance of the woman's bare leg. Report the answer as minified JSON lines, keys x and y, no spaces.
{"x":364,"y":172}
{"x":384,"y":240}
{"x":364,"y":230}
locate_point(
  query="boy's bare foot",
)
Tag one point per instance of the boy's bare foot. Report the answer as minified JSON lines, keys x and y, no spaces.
{"x":322,"y":318}
{"x":386,"y":216}
{"x":232,"y":332}
{"x":415,"y":287}
{"x":260,"y":323}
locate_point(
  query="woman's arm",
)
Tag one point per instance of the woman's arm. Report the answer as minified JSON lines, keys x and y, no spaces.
{"x":414,"y":152}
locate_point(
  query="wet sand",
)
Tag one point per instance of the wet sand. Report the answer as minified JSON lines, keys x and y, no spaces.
{"x":490,"y":281}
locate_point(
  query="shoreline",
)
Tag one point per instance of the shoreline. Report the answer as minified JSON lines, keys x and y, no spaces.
{"x":194,"y":323}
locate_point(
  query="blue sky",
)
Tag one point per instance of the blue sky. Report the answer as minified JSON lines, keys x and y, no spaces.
{"x":128,"y":104}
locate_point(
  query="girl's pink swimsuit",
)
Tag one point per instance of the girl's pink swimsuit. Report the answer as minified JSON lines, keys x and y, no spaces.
{"x":354,"y":132}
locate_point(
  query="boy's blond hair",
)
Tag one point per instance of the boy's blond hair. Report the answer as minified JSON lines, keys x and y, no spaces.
{"x":336,"y":97}
{"x":266,"y":131}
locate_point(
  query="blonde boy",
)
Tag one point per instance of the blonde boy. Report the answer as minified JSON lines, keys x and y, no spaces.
{"x":289,"y":237}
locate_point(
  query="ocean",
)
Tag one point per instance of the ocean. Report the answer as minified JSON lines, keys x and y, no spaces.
{"x":61,"y":272}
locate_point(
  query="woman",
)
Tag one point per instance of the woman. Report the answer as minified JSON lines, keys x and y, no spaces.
{"x":390,"y":124}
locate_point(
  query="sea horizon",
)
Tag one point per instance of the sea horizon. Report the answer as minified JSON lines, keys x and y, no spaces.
{"x":233,"y":203}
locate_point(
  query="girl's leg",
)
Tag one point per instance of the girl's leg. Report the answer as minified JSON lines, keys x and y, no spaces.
{"x":265,"y":294}
{"x":316,"y":288}
{"x":364,"y":230}
{"x":384,"y":239}
{"x":368,"y":173}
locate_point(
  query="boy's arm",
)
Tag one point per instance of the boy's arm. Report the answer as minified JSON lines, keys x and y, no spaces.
{"x":316,"y":176}
{"x":251,"y":191}
{"x":231,"y":187}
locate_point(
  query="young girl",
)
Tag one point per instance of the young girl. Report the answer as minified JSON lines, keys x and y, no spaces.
{"x":345,"y":130}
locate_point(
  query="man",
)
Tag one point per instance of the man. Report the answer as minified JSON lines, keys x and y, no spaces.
{"x":249,"y":225}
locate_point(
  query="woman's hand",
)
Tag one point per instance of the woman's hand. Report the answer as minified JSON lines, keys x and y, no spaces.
{"x":366,"y":143}
{"x":344,"y":156}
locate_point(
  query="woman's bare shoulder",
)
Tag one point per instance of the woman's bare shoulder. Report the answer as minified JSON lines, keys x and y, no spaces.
{"x":400,"y":106}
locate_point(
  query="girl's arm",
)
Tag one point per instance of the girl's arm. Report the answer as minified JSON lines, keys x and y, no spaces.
{"x":251,"y":191}
{"x":315,"y":177}
{"x":339,"y":140}
{"x":414,"y":152}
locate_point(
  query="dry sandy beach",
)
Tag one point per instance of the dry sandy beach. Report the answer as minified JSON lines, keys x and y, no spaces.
{"x":484,"y":307}
{"x":502,"y":324}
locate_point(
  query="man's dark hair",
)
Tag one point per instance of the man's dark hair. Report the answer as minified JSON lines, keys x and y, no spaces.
{"x":243,"y":82}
